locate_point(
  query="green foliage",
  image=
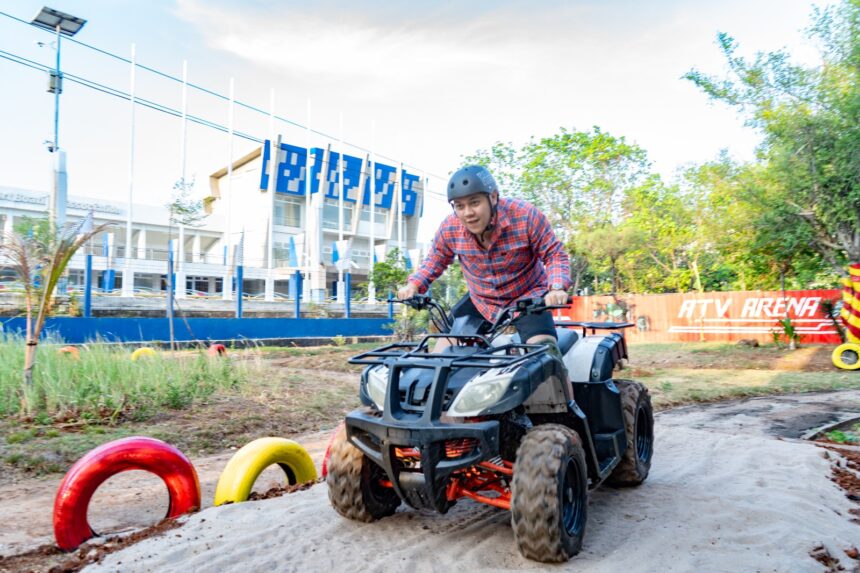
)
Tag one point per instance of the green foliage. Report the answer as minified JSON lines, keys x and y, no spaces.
{"x":448,"y":288}
{"x":35,"y":228}
{"x":339,"y":340}
{"x":841,"y":437}
{"x":409,"y":325}
{"x":74,"y":308}
{"x":789,"y":333}
{"x":810,"y":119}
{"x":787,"y":221}
{"x":829,"y":309}
{"x":183,"y":209}
{"x":390,"y":274}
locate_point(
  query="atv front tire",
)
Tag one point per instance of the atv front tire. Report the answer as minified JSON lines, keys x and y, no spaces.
{"x":639,"y":427}
{"x":354,"y":487}
{"x":549,"y":494}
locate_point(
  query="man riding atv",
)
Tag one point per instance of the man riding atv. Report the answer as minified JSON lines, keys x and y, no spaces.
{"x":526,"y":422}
{"x":507,"y":250}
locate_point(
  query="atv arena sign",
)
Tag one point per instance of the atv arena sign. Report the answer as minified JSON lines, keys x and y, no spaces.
{"x":715,"y":316}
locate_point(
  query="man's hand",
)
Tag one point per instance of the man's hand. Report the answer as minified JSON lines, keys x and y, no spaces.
{"x":556,"y":298}
{"x":407,"y":291}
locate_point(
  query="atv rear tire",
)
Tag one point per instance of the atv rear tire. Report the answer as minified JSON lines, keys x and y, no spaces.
{"x":353,"y":483}
{"x":639,"y":426}
{"x":549,"y":494}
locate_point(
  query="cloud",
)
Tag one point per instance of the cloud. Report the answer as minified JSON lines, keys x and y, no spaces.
{"x":373,"y":47}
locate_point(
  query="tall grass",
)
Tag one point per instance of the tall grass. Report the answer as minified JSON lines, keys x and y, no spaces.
{"x":104,"y":384}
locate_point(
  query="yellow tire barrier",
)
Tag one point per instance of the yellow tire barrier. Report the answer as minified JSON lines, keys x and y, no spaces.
{"x":145,"y":352}
{"x":248,"y":463}
{"x":847,"y":356}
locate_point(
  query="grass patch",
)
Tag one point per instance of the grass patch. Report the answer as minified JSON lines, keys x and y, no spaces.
{"x":105,"y":386}
{"x":675,"y":386}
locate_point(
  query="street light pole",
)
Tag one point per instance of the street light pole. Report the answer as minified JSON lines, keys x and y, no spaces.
{"x":63,"y":25}
{"x":58,"y":89}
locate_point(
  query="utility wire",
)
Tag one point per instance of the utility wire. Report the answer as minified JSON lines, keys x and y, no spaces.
{"x":216,"y":95}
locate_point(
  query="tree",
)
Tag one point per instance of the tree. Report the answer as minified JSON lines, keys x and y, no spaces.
{"x":40,"y":261}
{"x":810,"y":118}
{"x":184,"y":212}
{"x":579,"y":179}
{"x":390,"y":274}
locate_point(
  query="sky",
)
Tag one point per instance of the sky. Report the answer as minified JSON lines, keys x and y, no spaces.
{"x":425,"y":83}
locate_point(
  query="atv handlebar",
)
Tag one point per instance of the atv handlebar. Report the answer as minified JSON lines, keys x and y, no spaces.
{"x":505,"y":317}
{"x":523,"y":307}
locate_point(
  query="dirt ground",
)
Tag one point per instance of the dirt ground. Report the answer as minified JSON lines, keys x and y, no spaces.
{"x":304,"y":398}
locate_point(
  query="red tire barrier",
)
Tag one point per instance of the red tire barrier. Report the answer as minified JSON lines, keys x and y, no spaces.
{"x":217,"y":350}
{"x":71,"y":527}
{"x":324,"y":471}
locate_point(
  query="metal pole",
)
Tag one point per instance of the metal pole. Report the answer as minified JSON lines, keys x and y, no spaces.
{"x":170,"y":287}
{"x":273,"y":183}
{"x":298,"y":300}
{"x":348,"y":287}
{"x":184,"y":119}
{"x":88,"y":285}
{"x":398,"y":195}
{"x":180,"y":244}
{"x":227,"y":293}
{"x":240,"y":277}
{"x":307,"y":247}
{"x":341,"y":161}
{"x":390,"y":306}
{"x":55,"y":191}
{"x":371,"y":288}
{"x":127,"y":278}
{"x":57,"y":95}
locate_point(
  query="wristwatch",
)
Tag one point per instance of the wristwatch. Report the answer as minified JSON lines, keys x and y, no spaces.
{"x":556,"y":286}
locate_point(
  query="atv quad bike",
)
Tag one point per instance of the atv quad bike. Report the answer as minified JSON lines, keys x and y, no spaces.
{"x":497,"y":421}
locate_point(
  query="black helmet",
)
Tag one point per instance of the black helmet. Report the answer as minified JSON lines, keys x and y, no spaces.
{"x":470,"y":180}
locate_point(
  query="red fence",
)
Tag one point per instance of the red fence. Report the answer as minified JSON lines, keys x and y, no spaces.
{"x":712,"y":316}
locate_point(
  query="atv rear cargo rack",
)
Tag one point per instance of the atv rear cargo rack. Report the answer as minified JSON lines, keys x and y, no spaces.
{"x":594,"y":326}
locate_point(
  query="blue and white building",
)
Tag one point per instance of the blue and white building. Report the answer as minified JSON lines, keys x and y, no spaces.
{"x":260,"y":216}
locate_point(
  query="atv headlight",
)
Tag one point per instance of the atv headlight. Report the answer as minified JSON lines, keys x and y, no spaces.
{"x":377,"y":385}
{"x":480,"y":393}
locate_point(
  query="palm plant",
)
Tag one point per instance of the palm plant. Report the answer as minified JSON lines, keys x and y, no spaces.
{"x":39,"y":263}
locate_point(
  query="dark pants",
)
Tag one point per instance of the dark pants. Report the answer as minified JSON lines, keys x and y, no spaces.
{"x":527,"y":326}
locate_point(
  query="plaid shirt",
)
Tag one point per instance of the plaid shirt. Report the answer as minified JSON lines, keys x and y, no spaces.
{"x":522,"y":250}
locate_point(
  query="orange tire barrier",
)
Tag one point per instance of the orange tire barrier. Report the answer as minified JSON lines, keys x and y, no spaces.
{"x":70,"y":351}
{"x":71,"y":527}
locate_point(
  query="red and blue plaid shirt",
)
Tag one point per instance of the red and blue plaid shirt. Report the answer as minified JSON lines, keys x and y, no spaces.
{"x":522,"y":251}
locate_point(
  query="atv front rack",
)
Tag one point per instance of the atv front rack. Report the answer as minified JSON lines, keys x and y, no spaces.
{"x":408,"y":354}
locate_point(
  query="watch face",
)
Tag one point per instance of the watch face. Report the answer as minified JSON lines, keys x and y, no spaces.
{"x":556,"y":286}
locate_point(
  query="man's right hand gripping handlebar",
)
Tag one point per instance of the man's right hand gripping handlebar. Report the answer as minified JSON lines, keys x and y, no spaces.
{"x":407,"y":291}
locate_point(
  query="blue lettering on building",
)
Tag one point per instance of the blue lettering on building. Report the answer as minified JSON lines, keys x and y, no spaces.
{"x":293,"y":164}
